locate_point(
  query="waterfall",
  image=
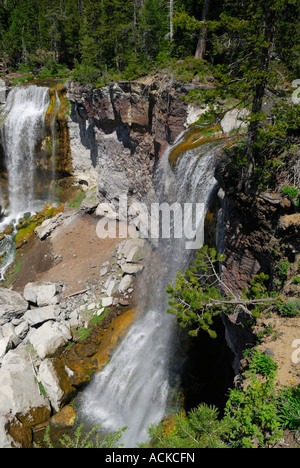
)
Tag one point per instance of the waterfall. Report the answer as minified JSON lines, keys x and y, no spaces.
{"x":22,"y":130}
{"x":133,"y":389}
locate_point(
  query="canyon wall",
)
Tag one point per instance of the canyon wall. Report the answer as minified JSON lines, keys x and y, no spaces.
{"x":119,"y":132}
{"x":258,"y":232}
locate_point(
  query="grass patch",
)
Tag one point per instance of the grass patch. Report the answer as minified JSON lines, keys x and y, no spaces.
{"x":83,"y":333}
{"x":78,"y":199}
{"x":25,"y":233}
{"x":15,"y":270}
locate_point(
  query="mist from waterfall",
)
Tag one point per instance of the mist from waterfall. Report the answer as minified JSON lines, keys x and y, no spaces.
{"x":135,"y":387}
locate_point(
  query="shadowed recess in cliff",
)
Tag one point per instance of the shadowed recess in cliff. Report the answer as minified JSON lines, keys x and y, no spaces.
{"x":86,"y":132}
{"x":135,"y":389}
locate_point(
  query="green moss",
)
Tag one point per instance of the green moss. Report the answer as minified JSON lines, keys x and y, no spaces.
{"x":195,"y":138}
{"x":26,"y":227}
{"x":15,"y":270}
{"x":25,"y":233}
{"x":78,"y":200}
{"x":83,"y":333}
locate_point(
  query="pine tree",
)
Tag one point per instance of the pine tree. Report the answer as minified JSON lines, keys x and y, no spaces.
{"x":22,"y":36}
{"x":249,"y":38}
{"x":201,"y":428}
{"x":199,"y":295}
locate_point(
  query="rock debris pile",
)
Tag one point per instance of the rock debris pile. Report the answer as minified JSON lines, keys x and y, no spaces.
{"x":34,"y":325}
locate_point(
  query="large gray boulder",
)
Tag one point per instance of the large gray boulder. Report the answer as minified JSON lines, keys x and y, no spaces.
{"x":9,"y":339}
{"x":235,"y":120}
{"x":41,"y":314}
{"x":47,"y":339}
{"x":20,"y":394}
{"x":12,"y":305}
{"x":132,"y":268}
{"x":133,"y":250}
{"x":55,"y":381}
{"x":41,"y":294}
{"x":125,"y":283}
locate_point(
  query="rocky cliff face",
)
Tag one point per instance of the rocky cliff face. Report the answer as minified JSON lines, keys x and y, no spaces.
{"x":119,"y":132}
{"x":258,"y":233}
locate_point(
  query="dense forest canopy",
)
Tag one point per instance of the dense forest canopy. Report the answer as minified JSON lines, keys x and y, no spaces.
{"x":133,"y":35}
{"x":108,"y":34}
{"x":250,"y":49}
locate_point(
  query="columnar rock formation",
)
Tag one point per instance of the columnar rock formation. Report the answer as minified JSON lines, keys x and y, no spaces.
{"x":122,"y":130}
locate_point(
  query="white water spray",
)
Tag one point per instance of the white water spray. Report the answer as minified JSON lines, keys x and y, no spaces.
{"x":133,"y":389}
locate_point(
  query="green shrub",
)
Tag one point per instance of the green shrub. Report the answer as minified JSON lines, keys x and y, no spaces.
{"x":289,"y":407}
{"x":90,"y":440}
{"x":262,"y":364}
{"x":290,"y":191}
{"x":201,"y":428}
{"x":86,"y":74}
{"x":290,"y":308}
{"x":255,"y":407}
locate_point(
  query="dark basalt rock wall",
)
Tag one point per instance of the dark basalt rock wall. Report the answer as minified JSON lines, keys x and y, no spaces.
{"x":256,"y":233}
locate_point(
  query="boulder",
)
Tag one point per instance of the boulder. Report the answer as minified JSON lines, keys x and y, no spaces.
{"x":235,"y":120}
{"x":40,"y":294}
{"x":103,"y":271}
{"x":125,"y":283}
{"x":133,"y":250}
{"x":56,"y":383}
{"x":111,"y":287}
{"x":50,"y":224}
{"x":8,"y":330}
{"x":107,"y":301}
{"x":14,"y":434}
{"x":9,"y":340}
{"x":6,"y":343}
{"x":20,"y":394}
{"x":6,"y":441}
{"x":12,"y":305}
{"x":107,"y":210}
{"x":42,"y":314}
{"x":132,"y":268}
{"x":65,"y":418}
{"x":22,"y":329}
{"x":47,"y":339}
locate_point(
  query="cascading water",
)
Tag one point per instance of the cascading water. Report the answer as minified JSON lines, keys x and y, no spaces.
{"x":52,"y":114}
{"x":22,"y":130}
{"x":133,"y":389}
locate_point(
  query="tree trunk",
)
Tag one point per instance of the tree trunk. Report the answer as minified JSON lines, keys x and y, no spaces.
{"x":202,"y":40}
{"x":253,"y":132}
{"x":257,"y":103}
{"x":171,"y":6}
